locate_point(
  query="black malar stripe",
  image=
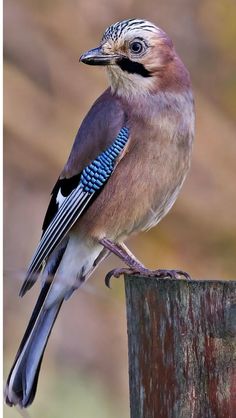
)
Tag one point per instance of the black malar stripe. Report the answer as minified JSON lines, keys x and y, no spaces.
{"x":133,"y":67}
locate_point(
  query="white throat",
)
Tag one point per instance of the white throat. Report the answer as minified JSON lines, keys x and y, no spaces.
{"x":129,"y":85}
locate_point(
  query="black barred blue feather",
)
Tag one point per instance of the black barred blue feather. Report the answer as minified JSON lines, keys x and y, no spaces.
{"x":96,"y":174}
{"x":82,"y":190}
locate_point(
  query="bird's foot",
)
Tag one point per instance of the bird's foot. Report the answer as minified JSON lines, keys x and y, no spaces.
{"x":134,"y":265}
{"x":169,"y":274}
{"x":142,"y":271}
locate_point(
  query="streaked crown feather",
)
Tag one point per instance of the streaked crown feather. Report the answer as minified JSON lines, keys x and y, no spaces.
{"x":119,"y":29}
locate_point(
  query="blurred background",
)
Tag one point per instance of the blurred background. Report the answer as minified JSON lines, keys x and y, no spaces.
{"x":46,"y":95}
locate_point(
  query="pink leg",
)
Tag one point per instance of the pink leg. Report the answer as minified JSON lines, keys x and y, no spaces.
{"x":135,"y":267}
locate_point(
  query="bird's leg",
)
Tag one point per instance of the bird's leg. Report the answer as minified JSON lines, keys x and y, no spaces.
{"x":121,"y":251}
{"x":135,"y":266}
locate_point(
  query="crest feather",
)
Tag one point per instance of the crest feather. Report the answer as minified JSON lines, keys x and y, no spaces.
{"x":118,"y":29}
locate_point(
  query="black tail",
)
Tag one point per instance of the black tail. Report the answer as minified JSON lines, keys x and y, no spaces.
{"x":23,"y":378}
{"x":22,"y":381}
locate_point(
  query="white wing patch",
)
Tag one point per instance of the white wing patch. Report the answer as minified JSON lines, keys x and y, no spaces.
{"x":60,"y":198}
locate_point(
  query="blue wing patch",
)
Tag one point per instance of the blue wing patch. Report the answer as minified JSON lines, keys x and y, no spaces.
{"x":96,"y":174}
{"x":92,"y":179}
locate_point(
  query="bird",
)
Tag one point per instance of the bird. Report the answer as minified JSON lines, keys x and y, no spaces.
{"x":127,"y":165}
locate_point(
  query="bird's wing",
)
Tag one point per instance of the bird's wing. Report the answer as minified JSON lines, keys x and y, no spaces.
{"x":97,"y":147}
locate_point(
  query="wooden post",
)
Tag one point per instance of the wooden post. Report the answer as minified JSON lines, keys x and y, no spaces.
{"x":182,"y":348}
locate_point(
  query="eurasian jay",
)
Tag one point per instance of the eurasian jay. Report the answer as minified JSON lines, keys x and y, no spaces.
{"x":124,"y":173}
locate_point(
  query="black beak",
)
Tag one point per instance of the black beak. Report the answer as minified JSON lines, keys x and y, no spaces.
{"x":97,"y":57}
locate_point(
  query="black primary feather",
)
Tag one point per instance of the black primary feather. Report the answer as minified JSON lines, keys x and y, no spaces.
{"x":66,"y":185}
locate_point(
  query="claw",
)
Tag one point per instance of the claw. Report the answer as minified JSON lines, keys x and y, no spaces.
{"x":185,"y":274}
{"x":108,"y":277}
{"x":117,"y":273}
{"x":172,"y":274}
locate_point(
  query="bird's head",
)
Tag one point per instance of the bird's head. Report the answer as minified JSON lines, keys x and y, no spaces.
{"x":140,"y":59}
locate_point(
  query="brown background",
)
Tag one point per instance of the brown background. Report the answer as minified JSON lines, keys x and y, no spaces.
{"x":46,"y":95}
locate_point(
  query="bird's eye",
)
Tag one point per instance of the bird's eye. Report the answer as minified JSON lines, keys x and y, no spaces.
{"x":136,"y":47}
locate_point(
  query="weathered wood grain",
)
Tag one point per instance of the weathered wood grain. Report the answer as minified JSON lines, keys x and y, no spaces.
{"x":182,"y":348}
